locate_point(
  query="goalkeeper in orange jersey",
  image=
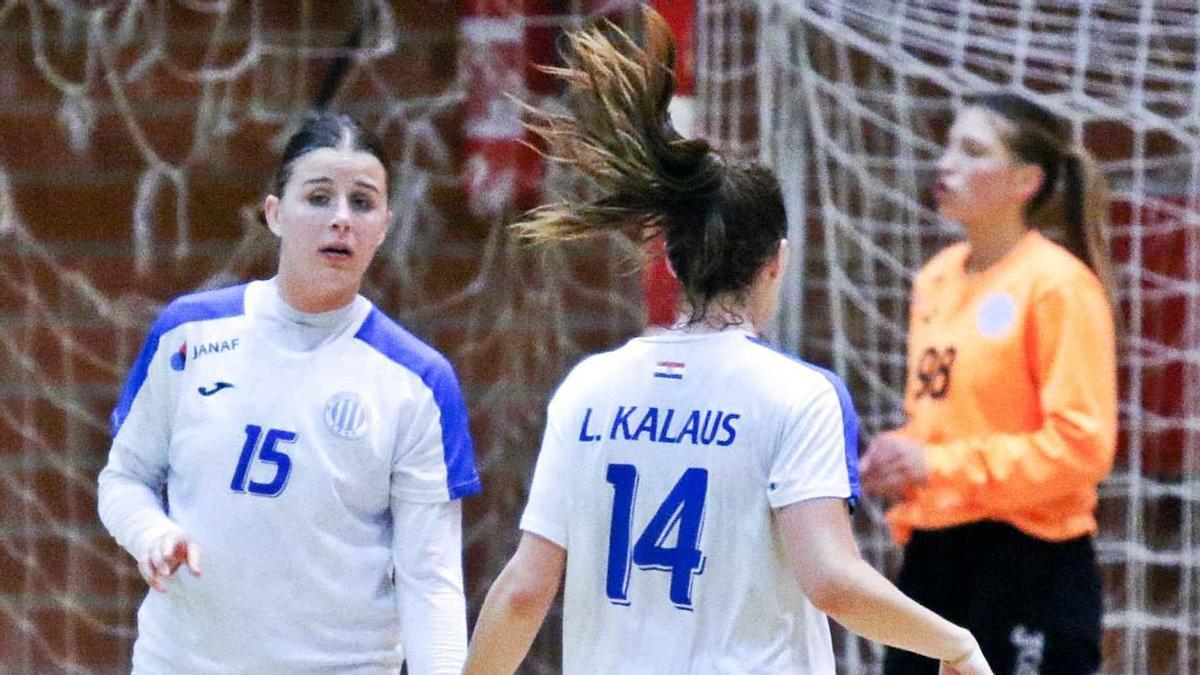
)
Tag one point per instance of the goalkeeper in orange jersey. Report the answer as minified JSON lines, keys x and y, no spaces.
{"x":1011,"y":399}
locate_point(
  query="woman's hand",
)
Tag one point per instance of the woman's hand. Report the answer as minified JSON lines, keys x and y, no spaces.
{"x":893,"y":467}
{"x":164,"y":554}
{"x":971,"y":663}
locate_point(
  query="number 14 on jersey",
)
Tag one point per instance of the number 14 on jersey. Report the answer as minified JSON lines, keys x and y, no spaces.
{"x":681,"y":512}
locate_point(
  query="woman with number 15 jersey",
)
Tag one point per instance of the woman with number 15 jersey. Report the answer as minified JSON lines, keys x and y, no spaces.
{"x":692,"y":486}
{"x":310,"y":446}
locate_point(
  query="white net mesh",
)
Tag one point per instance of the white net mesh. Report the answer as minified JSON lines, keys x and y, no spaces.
{"x":137,"y":137}
{"x":148,"y":131}
{"x":849,"y":102}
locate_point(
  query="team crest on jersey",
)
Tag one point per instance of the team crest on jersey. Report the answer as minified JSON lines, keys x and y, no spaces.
{"x":179,"y":358}
{"x":347,"y":416}
{"x":997,"y":314}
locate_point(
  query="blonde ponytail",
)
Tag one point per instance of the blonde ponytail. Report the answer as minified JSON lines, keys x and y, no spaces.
{"x":619,"y":135}
{"x":722,"y":220}
{"x":1085,"y":222}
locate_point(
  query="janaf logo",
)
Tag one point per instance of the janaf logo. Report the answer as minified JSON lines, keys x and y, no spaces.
{"x":213,"y":348}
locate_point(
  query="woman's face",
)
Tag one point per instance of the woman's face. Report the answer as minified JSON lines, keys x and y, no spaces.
{"x":979,"y":181}
{"x":330,"y":220}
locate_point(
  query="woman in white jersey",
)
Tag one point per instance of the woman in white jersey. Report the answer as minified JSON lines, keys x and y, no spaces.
{"x":306,"y":443}
{"x":693,"y":485}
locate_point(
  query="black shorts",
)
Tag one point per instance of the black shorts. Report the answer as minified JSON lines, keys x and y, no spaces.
{"x":1034,"y":606}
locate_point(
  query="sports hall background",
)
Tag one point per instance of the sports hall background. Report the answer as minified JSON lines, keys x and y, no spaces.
{"x":137,"y":138}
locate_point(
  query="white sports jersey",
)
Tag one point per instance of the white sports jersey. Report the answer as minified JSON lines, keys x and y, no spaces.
{"x":661,"y":464}
{"x":285,"y":466}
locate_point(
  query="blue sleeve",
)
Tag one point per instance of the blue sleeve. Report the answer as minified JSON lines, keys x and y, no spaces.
{"x":458,"y":452}
{"x":216,"y":304}
{"x":849,"y":431}
{"x":435,"y":371}
{"x":139,"y":370}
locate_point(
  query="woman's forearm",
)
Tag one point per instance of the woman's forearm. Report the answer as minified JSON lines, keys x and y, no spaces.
{"x":865,"y":602}
{"x":515,"y":607}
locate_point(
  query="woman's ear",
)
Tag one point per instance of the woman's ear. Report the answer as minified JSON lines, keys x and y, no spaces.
{"x":1028,"y":181}
{"x":384,"y":232}
{"x":779,"y":262}
{"x":271,"y":214}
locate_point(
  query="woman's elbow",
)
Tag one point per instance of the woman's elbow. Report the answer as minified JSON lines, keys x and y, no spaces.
{"x":832,"y":591}
{"x":1095,"y":455}
{"x":525,"y":595}
{"x":106,"y":484}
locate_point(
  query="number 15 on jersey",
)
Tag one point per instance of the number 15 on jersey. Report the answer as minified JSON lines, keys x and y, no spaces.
{"x":682,"y":512}
{"x":267,"y":453}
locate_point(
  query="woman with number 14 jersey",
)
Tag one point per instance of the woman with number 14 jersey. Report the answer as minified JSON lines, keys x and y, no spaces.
{"x":692,"y":486}
{"x":308,"y":444}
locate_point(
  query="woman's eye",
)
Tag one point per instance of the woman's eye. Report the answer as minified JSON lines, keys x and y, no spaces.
{"x":974,"y":150}
{"x":362,"y":203}
{"x":318,"y":199}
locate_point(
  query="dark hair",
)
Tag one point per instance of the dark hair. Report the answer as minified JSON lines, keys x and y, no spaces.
{"x":1073,"y":195}
{"x":320,"y":129}
{"x":722,"y":220}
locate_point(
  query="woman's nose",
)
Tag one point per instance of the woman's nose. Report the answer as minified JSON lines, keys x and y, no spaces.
{"x":341,"y":215}
{"x":945,"y":163}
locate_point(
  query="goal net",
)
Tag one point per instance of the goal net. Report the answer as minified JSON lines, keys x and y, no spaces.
{"x":849,"y":102}
{"x":136,"y":139}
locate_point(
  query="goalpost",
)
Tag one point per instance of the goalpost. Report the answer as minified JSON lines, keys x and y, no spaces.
{"x":849,"y":101}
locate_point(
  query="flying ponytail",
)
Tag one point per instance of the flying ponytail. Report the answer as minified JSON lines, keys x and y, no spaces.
{"x":620,"y":136}
{"x":722,"y":220}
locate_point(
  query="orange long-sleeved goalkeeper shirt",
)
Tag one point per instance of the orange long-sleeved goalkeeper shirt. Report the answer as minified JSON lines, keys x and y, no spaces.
{"x":1012,"y":389}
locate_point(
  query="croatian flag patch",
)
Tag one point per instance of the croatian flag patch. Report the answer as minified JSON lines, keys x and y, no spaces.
{"x":671,"y":370}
